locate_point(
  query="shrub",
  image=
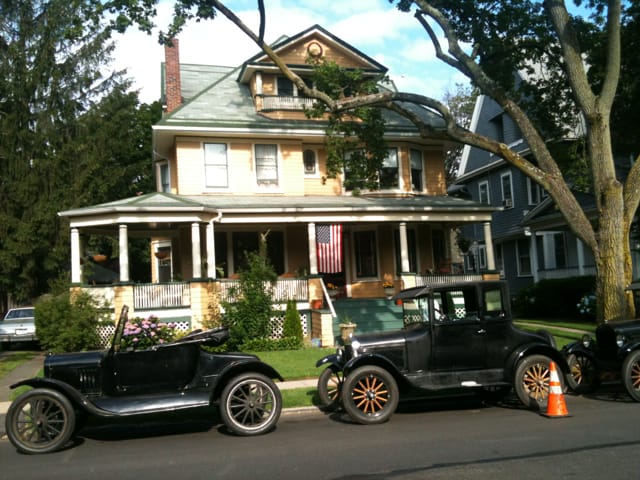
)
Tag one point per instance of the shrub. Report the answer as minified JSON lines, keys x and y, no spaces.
{"x":249,"y":317}
{"x":139,"y":333}
{"x":69,"y":324}
{"x":553,"y":298}
{"x":292,"y":326}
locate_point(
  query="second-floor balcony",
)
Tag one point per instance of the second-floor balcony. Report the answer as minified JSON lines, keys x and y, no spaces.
{"x":284,"y":102}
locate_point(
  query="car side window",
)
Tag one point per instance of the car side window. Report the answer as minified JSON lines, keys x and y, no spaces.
{"x":493,"y":308}
{"x":455,"y":305}
{"x":415,"y":311}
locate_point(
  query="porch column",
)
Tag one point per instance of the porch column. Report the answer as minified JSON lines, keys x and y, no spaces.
{"x":123,"y":253}
{"x":211,"y":251}
{"x":488,"y":245}
{"x":533,"y":253}
{"x":76,"y":270}
{"x":313,"y":255}
{"x":404,"y":248}
{"x":580,"y":253}
{"x":195,"y":250}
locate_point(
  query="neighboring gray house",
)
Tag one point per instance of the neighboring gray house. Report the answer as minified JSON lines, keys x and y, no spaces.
{"x":531,"y":239}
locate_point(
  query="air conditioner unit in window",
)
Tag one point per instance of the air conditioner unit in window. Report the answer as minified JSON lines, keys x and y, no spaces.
{"x":507,"y":203}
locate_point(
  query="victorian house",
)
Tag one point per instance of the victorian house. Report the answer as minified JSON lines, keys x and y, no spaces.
{"x":236,"y":160}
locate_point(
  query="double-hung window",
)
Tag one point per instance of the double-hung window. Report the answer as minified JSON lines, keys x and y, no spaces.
{"x":483,"y":193}
{"x":415,"y":157}
{"x":266,"y":158}
{"x":507,"y":190}
{"x":388,"y":174}
{"x":215,"y":165}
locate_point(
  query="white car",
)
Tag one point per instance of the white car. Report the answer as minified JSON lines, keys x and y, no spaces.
{"x":18,"y":325}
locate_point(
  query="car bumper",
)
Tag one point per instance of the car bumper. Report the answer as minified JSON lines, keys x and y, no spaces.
{"x":15,"y":338}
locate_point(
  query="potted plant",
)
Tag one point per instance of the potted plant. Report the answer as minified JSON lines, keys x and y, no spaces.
{"x":332,"y":289}
{"x":388,"y":285}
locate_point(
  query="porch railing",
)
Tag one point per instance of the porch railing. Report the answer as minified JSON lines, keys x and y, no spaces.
{"x":284,"y":102}
{"x":161,"y":295}
{"x":422,"y":280}
{"x":284,"y":289}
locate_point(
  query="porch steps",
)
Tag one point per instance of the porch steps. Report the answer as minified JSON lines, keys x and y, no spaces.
{"x":370,"y":314}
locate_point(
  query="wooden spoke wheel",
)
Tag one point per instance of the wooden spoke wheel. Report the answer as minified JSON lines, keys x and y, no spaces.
{"x":329,"y":387}
{"x":631,"y":374}
{"x":532,"y":381}
{"x":370,"y":395}
{"x":583,"y":375}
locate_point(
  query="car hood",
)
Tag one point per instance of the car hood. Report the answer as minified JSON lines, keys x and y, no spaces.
{"x":629,"y":328}
{"x":381,"y":338}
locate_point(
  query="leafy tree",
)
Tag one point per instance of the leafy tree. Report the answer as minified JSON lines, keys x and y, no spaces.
{"x":461,"y":103}
{"x":61,"y":132}
{"x":249,"y":316}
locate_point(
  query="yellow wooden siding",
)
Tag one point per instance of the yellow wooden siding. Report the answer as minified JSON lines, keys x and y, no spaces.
{"x":434,"y":174}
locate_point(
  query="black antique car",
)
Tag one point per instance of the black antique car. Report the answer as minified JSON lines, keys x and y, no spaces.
{"x":614,"y":354}
{"x":457,"y":338}
{"x":122,"y":382}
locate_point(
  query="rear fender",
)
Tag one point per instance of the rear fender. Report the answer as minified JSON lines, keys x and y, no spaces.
{"x":378,"y":361}
{"x":239,"y":368}
{"x":535,"y":349}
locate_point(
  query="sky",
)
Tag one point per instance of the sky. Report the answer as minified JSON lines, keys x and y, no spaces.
{"x":375,"y":27}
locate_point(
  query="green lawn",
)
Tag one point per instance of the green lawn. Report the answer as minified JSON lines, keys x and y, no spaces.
{"x":296,"y":364}
{"x":13,"y":360}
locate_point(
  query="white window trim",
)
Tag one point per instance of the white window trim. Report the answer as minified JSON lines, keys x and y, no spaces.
{"x":159,"y":166}
{"x":520,"y":274}
{"x":317,"y":157}
{"x":269,"y":188}
{"x":213,"y":188}
{"x":353,"y":254}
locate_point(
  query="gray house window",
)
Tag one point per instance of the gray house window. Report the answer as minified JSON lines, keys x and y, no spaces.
{"x":483,"y":192}
{"x":389,"y":172}
{"x":507,"y":190}
{"x":524,"y":257}
{"x":165,"y":180}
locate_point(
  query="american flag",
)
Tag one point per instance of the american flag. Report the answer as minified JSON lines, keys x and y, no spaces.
{"x":329,"y":248}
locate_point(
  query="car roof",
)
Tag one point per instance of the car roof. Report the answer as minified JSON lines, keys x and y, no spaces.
{"x":423,"y":290}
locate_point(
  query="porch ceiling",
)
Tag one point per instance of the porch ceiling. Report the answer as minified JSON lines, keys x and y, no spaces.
{"x":162,"y":211}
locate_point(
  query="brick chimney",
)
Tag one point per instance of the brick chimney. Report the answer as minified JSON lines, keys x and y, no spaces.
{"x":173,"y":88}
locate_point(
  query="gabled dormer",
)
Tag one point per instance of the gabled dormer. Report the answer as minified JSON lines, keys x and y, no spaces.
{"x":274,"y":94}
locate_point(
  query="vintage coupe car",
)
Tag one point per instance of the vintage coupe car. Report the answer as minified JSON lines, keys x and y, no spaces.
{"x":613,"y":354}
{"x":457,"y":338}
{"x":17,"y":326}
{"x":164,"y":378}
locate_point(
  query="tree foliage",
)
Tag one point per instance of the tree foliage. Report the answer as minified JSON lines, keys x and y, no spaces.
{"x":69,"y":133}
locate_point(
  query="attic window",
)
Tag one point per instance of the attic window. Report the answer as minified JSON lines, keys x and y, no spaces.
{"x":285,"y":87}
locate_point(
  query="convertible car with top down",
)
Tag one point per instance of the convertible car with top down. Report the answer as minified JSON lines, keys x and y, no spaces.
{"x":123,"y":382}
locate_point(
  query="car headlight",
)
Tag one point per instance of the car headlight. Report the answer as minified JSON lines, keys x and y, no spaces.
{"x":355,"y":345}
{"x":620,"y":340}
{"x":587,"y":341}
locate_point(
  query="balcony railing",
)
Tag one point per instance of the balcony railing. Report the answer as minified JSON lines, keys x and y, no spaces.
{"x":566,"y":272}
{"x":282,"y":102}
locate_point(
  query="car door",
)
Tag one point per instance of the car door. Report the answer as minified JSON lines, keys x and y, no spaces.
{"x":163,"y":369}
{"x":458,"y":333}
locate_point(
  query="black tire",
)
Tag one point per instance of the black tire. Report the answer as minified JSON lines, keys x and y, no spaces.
{"x":330,"y":384}
{"x":370,"y":395}
{"x":531,"y":381}
{"x":40,"y":421}
{"x":250,"y":404}
{"x":583,"y":375}
{"x":631,"y":374}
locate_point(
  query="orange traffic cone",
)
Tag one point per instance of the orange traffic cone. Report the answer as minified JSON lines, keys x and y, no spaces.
{"x":556,"y":407}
